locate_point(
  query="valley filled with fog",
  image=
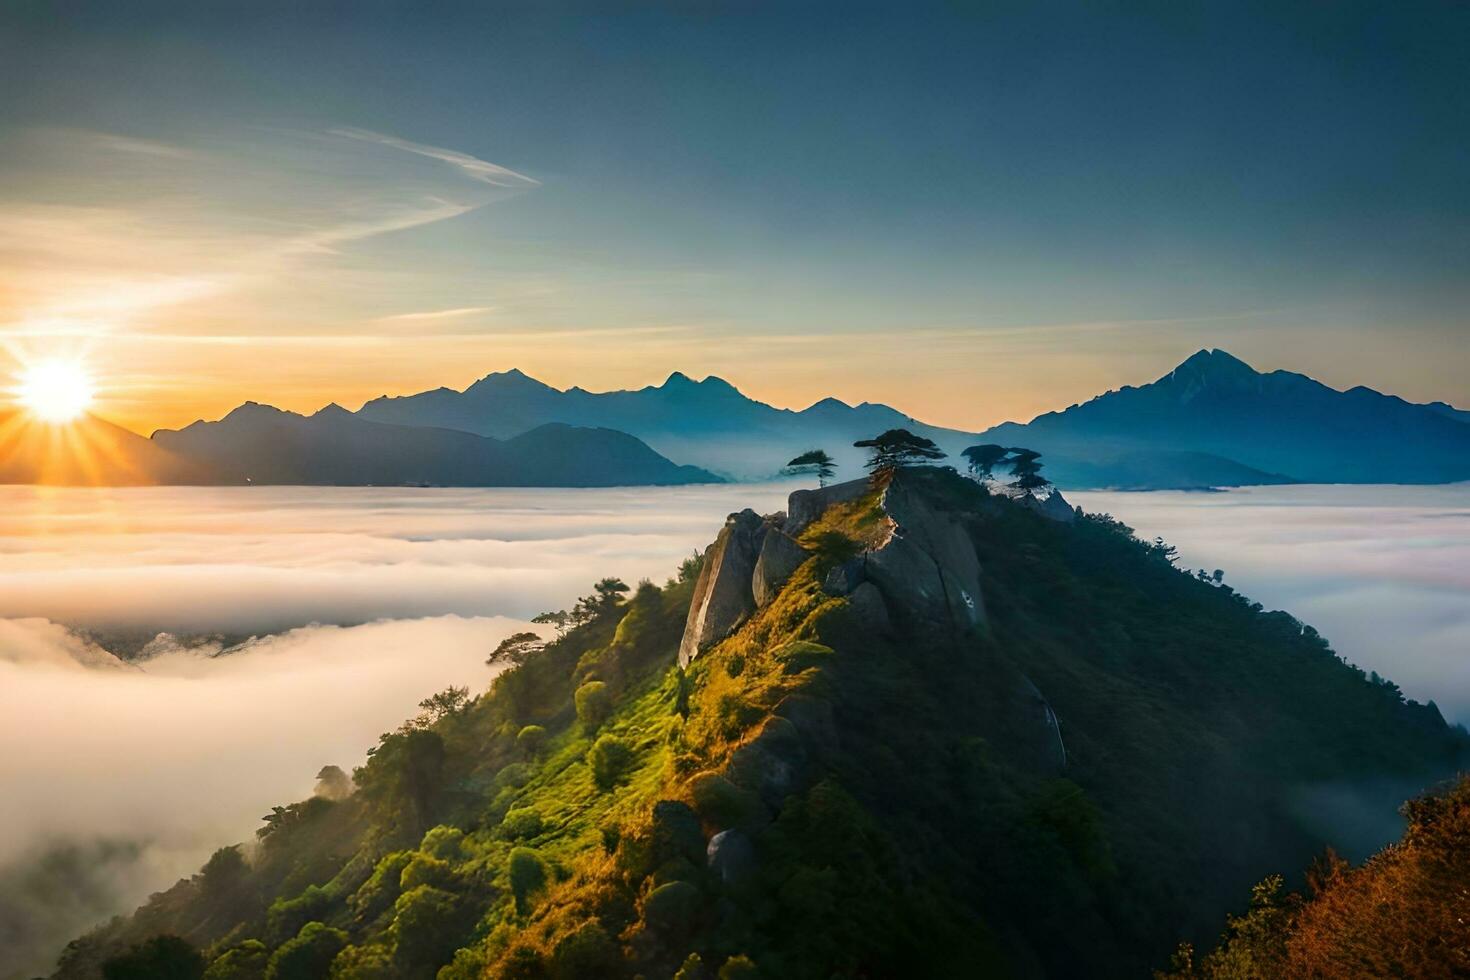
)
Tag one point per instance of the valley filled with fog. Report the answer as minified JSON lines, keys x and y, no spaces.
{"x":301,"y":622}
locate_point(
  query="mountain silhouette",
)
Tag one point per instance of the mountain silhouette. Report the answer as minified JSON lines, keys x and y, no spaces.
{"x":88,"y":451}
{"x":1279,"y":423}
{"x":265,"y":445}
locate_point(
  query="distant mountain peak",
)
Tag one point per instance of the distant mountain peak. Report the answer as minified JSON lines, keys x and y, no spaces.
{"x":331,"y":411}
{"x":514,"y":378}
{"x":1214,"y":363}
{"x":249,"y":410}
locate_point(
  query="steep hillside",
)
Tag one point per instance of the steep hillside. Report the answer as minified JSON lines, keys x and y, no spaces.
{"x":1279,"y":423}
{"x":264,"y":445}
{"x":918,"y":730}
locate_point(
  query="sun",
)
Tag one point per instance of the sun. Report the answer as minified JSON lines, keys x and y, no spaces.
{"x":56,"y":391}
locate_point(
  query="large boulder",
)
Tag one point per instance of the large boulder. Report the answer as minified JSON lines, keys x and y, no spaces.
{"x":805,"y":506}
{"x":928,"y":570}
{"x":722,"y":596}
{"x":780,"y":556}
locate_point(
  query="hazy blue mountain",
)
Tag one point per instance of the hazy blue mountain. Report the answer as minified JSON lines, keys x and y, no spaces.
{"x":1450,"y":411}
{"x":260,"y":444}
{"x":1279,"y":423}
{"x":708,"y":423}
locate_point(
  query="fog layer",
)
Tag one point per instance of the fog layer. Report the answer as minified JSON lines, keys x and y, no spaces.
{"x":1382,"y":571}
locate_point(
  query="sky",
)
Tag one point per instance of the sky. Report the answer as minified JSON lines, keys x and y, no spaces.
{"x":973,"y":212}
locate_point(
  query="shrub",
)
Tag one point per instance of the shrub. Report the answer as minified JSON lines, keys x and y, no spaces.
{"x":610,"y":757}
{"x":521,"y":823}
{"x":287,"y":916}
{"x":426,"y":870}
{"x":160,"y":958}
{"x":739,"y":968}
{"x":364,"y":963}
{"x":309,"y":956}
{"x":428,"y":925}
{"x":527,"y":873}
{"x":246,"y":961}
{"x":531,"y":740}
{"x":671,"y":909}
{"x":720,"y":802}
{"x":585,"y":954}
{"x":445,"y":843}
{"x":594,"y":704}
{"x":382,"y":888}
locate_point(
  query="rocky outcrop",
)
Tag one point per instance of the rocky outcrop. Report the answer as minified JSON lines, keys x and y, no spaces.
{"x":723,"y":598}
{"x":779,"y":558}
{"x":922,"y":576}
{"x":805,"y":506}
{"x":927,"y":572}
{"x":1053,"y":507}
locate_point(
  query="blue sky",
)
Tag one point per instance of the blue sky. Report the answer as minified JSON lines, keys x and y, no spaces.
{"x":973,"y":211}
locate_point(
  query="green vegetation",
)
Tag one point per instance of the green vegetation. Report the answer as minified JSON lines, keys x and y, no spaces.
{"x":897,"y":448}
{"x":1402,"y":914}
{"x":816,"y":798}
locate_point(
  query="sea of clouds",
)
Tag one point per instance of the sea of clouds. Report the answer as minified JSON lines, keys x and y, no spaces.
{"x":120,"y":776}
{"x":1382,"y":571}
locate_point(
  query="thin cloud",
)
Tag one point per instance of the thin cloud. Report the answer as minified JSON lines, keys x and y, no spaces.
{"x":472,"y":167}
{"x":441,"y":314}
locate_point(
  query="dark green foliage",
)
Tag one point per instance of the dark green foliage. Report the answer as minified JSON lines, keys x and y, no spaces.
{"x":898,"y":447}
{"x":309,"y":955}
{"x":428,"y":925}
{"x":594,"y":703}
{"x":983,"y":459}
{"x":530,"y":740}
{"x":160,"y":958}
{"x":287,"y":915}
{"x":720,"y":802}
{"x":402,"y":780}
{"x":246,"y":961}
{"x":589,"y":953}
{"x":813,"y":462}
{"x":609,"y":758}
{"x":739,"y":967}
{"x":527,"y":875}
{"x":673,"y":909}
{"x":520,"y":824}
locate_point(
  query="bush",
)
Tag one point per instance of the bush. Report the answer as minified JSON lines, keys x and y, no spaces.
{"x":287,"y":916}
{"x":382,"y":888}
{"x":671,"y":909}
{"x":610,"y":758}
{"x":594,"y":704}
{"x":425,"y":870}
{"x":309,"y":956}
{"x":521,"y":823}
{"x":589,"y":953}
{"x":445,"y":843}
{"x":739,"y":968}
{"x":160,"y":958}
{"x":429,"y":924}
{"x":527,"y":873}
{"x":364,"y":963}
{"x":247,"y":961}
{"x":720,"y":802}
{"x":531,"y":740}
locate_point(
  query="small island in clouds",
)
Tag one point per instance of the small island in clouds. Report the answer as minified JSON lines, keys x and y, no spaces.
{"x":569,"y":491}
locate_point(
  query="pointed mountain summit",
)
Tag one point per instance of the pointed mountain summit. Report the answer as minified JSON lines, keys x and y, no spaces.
{"x":1281,"y":425}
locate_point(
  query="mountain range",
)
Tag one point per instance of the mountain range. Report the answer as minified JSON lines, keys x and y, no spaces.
{"x":1281,"y":423}
{"x":261,"y":444}
{"x":1213,"y":421}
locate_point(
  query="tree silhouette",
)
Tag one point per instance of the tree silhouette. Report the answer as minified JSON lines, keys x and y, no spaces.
{"x":983,"y":459}
{"x":813,"y":461}
{"x":897,"y":448}
{"x":1025,"y":466}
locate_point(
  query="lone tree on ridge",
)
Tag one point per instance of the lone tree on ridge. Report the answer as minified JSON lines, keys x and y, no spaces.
{"x":897,"y":448}
{"x":984,"y":458}
{"x":813,"y":461}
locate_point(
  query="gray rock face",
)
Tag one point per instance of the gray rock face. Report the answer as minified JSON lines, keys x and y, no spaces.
{"x":1056,"y":508}
{"x":867,"y":603}
{"x":928,"y":571}
{"x":722,"y":597}
{"x":805,"y":506}
{"x":779,"y":557}
{"x":845,"y":578}
{"x":730,"y":855}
